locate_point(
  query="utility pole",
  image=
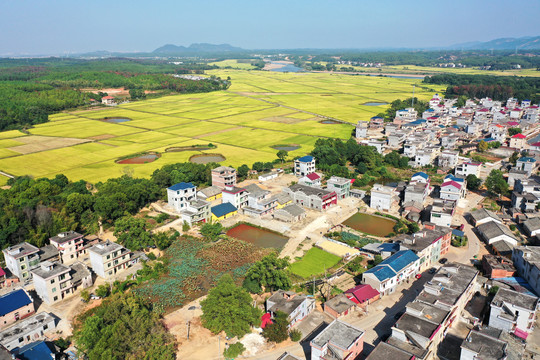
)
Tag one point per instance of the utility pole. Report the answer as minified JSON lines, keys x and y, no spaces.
{"x":188,"y":324}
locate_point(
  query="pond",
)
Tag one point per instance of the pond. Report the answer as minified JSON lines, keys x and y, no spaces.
{"x":286,"y":68}
{"x":115,"y":120}
{"x":258,"y":236}
{"x":286,"y":147}
{"x":139,"y":159}
{"x":370,"y":224}
{"x":329,"y":122}
{"x":206,"y":158}
{"x":375,"y":103}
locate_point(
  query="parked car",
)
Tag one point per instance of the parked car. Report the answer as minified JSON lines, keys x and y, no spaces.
{"x":443,"y":260}
{"x":432,"y":270}
{"x":418,"y":276}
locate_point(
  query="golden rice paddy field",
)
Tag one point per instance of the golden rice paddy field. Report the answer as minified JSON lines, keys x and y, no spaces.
{"x":261,"y":109}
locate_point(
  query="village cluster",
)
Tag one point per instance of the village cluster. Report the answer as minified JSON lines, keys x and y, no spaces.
{"x":493,"y":280}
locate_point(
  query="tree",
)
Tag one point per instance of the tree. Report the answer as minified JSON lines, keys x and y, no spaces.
{"x":234,"y":350}
{"x":473,"y":182}
{"x":282,"y":155}
{"x":243,"y":171}
{"x":295,"y":335}
{"x":211,"y":231}
{"x":483,"y":146}
{"x":228,"y":308}
{"x":413,"y":227}
{"x":268,"y":272}
{"x":495,"y":183}
{"x":131,"y":232}
{"x":514,"y":157}
{"x":277,"y":331}
{"x":103,"y":290}
{"x":85,"y":295}
{"x":514,"y":131}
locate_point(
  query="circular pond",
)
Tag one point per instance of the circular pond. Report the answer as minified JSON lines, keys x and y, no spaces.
{"x":329,"y":122}
{"x":286,"y":147}
{"x":375,"y":103}
{"x":139,"y":159}
{"x":206,"y":158}
{"x":115,"y":120}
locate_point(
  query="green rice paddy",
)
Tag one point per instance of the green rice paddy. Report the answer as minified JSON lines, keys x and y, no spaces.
{"x":261,"y":109}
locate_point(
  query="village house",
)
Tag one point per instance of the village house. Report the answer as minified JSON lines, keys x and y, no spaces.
{"x":383,"y":197}
{"x":297,"y":307}
{"x":376,"y":123}
{"x":385,"y":351}
{"x":396,"y":139}
{"x":338,"y":340}
{"x":304,"y":165}
{"x":526,"y":195}
{"x":71,"y":246}
{"x":482,"y":216}
{"x":52,"y":281}
{"x":532,"y":226}
{"x":223,"y":176}
{"x":514,"y":175}
{"x":453,"y":188}
{"x":527,"y":262}
{"x":179,"y":195}
{"x":311,"y":197}
{"x":513,"y":312}
{"x":14,"y":306}
{"x":108,"y":258}
{"x":211,"y":193}
{"x":386,"y":276}
{"x":518,"y":141}
{"x":391,"y":128}
{"x":448,"y":159}
{"x":312,"y":179}
{"x":478,"y":345}
{"x":223,"y":211}
{"x":492,"y":232}
{"x":269,"y":175}
{"x":236,"y":196}
{"x":468,"y":168}
{"x":442,"y":212}
{"x":341,"y":186}
{"x":385,"y":250}
{"x":363,"y":295}
{"x":31,"y":329}
{"x":260,"y":202}
{"x":361,"y":130}
{"x":21,"y":259}
{"x":406,"y":115}
{"x":428,"y":244}
{"x":290,"y":213}
{"x":197,"y":211}
{"x":379,"y":145}
{"x":416,"y":191}
{"x":339,"y":306}
{"x":527,"y":164}
{"x":496,"y":267}
{"x":108,"y":100}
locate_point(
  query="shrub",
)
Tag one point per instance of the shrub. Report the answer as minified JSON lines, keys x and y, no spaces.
{"x":151,"y":256}
{"x":85,"y":295}
{"x":295,"y":335}
{"x":234,"y":350}
{"x":103,"y":290}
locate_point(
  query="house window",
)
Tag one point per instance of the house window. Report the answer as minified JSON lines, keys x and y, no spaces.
{"x":45,"y":327}
{"x":55,"y":298}
{"x":53,"y":289}
{"x":52,"y":281}
{"x":21,"y":340}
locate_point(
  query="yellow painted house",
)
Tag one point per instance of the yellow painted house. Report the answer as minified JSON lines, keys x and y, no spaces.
{"x":283,"y":200}
{"x":210,"y":193}
{"x":223,"y":211}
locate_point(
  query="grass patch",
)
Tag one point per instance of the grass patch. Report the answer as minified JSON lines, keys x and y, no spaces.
{"x":314,"y":262}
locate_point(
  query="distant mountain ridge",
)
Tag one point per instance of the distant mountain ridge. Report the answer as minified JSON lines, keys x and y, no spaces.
{"x":196,"y":48}
{"x":523,"y":43}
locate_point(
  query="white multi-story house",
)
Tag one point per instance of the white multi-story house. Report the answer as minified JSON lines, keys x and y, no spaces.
{"x":196,"y":211}
{"x":513,"y":312}
{"x":297,"y":307}
{"x":448,"y":159}
{"x":383,"y":197}
{"x":236,"y":196}
{"x":361,"y":130}
{"x":468,"y":168}
{"x":179,"y":195}
{"x":52,"y":281}
{"x":527,"y":262}
{"x":70,"y":245}
{"x":21,"y":259}
{"x":408,"y":114}
{"x":108,"y":258}
{"x":527,"y":164}
{"x":442,"y":212}
{"x":341,"y":186}
{"x":260,"y":202}
{"x":453,"y":188}
{"x":304,"y":165}
{"x":396,"y":269}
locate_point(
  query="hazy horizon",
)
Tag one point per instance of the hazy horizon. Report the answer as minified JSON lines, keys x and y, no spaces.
{"x":63,"y":27}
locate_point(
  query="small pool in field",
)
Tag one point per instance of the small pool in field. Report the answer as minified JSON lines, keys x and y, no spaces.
{"x":116,"y":120}
{"x":257,"y":236}
{"x":286,"y":147}
{"x":375,"y":103}
{"x":370,"y":224}
{"x":206,"y":158}
{"x":329,"y":122}
{"x":140,"y":159}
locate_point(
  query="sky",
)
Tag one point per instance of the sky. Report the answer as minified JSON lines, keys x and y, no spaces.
{"x":76,"y":26}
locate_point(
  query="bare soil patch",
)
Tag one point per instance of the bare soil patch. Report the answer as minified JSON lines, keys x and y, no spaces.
{"x":35,"y":143}
{"x":110,"y":91}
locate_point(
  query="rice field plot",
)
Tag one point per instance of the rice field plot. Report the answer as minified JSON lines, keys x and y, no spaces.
{"x":81,"y":128}
{"x":199,"y":129}
{"x":11,"y":134}
{"x":235,"y":64}
{"x":314,"y":262}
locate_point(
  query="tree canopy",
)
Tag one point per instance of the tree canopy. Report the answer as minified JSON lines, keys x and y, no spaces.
{"x":228,"y":308}
{"x":496,"y":183}
{"x":269,"y":273}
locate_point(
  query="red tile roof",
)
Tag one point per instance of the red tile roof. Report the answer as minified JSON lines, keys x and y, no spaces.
{"x":451,"y":183}
{"x":361,"y":293}
{"x":536,"y":144}
{"x":313,"y":176}
{"x":107,"y":97}
{"x":519,"y":136}
{"x":2,"y":272}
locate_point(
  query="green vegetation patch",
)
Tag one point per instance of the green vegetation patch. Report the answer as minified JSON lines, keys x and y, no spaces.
{"x":314,"y":262}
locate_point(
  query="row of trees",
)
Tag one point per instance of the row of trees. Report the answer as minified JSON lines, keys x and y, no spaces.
{"x":418,"y":105}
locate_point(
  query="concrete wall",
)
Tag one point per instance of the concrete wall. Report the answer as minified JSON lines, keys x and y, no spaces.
{"x":22,"y":312}
{"x":97,"y":264}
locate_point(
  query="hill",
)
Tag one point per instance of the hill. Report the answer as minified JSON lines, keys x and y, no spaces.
{"x":196,"y":48}
{"x":523,"y":43}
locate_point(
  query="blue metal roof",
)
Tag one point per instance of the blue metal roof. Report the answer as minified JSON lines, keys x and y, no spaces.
{"x":527,"y":159}
{"x":182,"y":186}
{"x":223,"y":209}
{"x":306,"y":158}
{"x":13,"y":301}
{"x":400,"y":260}
{"x":457,"y":232}
{"x":422,"y":174}
{"x":38,"y":350}
{"x":453,"y":178}
{"x":381,"y":272}
{"x":377,"y":117}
